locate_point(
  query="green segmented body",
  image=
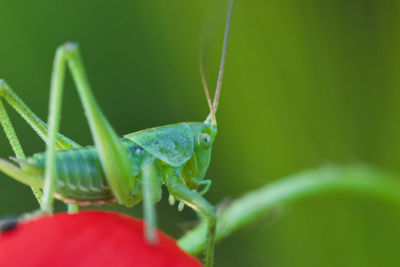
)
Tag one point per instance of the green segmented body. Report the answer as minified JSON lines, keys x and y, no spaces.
{"x":80,"y":176}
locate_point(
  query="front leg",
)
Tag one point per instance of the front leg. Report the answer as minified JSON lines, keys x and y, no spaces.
{"x":204,"y":209}
{"x":205,"y":183}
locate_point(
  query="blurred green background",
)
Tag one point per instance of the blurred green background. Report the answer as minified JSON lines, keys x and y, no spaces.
{"x":307,"y":83}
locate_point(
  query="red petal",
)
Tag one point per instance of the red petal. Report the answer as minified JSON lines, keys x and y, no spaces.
{"x":88,"y":238}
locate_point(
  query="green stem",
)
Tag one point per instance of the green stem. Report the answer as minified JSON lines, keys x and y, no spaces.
{"x":288,"y":191}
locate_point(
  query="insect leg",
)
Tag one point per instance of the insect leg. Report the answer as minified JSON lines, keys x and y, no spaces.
{"x":10,"y":132}
{"x":31,"y":118}
{"x":202,"y":207}
{"x":205,"y":183}
{"x":15,"y":172}
{"x":113,"y":155}
{"x":35,"y":122}
{"x":151,"y":190}
{"x":15,"y":144}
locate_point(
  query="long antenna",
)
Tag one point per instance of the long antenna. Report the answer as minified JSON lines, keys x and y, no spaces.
{"x":222,"y":64}
{"x":205,"y":86}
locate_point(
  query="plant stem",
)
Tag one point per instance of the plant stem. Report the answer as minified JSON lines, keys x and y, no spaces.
{"x":288,"y":191}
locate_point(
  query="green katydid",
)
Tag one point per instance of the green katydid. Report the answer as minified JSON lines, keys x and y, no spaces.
{"x":124,"y":171}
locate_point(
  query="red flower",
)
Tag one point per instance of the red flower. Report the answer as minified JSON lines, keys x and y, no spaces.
{"x":88,"y":238}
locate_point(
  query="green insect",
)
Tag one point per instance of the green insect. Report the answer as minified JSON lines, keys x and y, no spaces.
{"x":115,"y":170}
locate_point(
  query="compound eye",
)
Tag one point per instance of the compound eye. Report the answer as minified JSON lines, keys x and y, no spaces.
{"x":205,"y":140}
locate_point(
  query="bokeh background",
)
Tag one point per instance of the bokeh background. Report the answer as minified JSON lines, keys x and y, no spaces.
{"x":307,"y":83}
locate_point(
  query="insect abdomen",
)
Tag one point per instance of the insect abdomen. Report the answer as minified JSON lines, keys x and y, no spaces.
{"x":80,"y":176}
